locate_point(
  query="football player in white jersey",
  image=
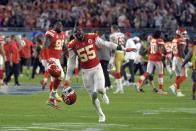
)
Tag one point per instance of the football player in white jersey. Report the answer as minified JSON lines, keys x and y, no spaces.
{"x":118,"y":38}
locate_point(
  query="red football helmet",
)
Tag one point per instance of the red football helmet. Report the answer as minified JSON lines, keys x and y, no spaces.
{"x":182,"y":32}
{"x":69,"y":95}
{"x":53,"y":69}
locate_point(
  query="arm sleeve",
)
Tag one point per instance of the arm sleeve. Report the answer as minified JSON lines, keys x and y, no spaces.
{"x":100,"y":43}
{"x":187,"y":57}
{"x":70,"y":64}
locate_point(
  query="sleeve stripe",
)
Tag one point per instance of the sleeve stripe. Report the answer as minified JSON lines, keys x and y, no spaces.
{"x":49,"y":33}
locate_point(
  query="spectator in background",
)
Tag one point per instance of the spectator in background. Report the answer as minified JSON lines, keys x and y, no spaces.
{"x":96,"y":13}
{"x":14,"y":60}
{"x":37,"y":59}
{"x":25,"y":53}
{"x":7,"y":55}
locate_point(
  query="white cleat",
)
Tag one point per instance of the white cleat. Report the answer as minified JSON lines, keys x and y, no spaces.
{"x":173,"y":89}
{"x":102,"y":118}
{"x":106,"y":99}
{"x":55,"y":95}
{"x":179,"y":94}
{"x":125,"y":83}
{"x":161,"y":92}
{"x":137,"y":88}
{"x":4,"y":89}
{"x":118,"y":91}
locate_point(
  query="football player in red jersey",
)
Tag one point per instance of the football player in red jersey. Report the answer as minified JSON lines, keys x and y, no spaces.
{"x":179,"y":44}
{"x":2,"y":58}
{"x":52,"y":52}
{"x":155,"y":60}
{"x":85,"y":47}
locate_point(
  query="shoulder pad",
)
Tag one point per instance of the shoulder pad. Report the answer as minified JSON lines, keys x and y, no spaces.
{"x":50,"y":33}
{"x":92,"y":35}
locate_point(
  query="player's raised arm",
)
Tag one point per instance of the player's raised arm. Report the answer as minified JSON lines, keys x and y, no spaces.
{"x":100,"y":43}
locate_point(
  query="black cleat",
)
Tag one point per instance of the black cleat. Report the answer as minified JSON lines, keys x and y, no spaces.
{"x":141,"y":90}
{"x":193,"y":97}
{"x":155,"y":90}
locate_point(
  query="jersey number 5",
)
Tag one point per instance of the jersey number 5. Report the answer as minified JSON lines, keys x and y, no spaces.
{"x":86,"y":53}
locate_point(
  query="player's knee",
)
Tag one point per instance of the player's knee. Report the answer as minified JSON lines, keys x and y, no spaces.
{"x":146,"y":74}
{"x":160,"y":75}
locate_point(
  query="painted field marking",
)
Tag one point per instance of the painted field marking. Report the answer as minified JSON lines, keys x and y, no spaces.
{"x":63,"y":126}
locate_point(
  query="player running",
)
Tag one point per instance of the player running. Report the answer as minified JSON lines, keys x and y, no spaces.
{"x":85,"y":47}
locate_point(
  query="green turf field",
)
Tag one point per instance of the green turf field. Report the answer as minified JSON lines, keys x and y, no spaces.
{"x":131,"y":111}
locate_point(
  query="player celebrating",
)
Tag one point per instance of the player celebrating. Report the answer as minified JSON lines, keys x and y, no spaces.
{"x":85,"y":47}
{"x":118,"y":58}
{"x":52,"y":53}
{"x":179,"y":44}
{"x":155,"y":60}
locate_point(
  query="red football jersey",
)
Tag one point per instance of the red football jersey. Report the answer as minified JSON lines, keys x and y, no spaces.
{"x":14,"y":50}
{"x":86,"y":51}
{"x":175,"y":43}
{"x":55,"y":49}
{"x":155,"y":54}
{"x":25,"y":52}
{"x":7,"y":49}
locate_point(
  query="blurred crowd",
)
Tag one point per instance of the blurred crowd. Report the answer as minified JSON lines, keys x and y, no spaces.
{"x":98,"y":13}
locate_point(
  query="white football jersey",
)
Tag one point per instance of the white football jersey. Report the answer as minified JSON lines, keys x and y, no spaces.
{"x":118,"y":38}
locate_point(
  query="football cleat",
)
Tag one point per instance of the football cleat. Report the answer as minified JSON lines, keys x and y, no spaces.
{"x":193,"y":97}
{"x":179,"y":94}
{"x":55,"y":95}
{"x":155,"y":90}
{"x":137,"y":88}
{"x":102,"y":118}
{"x":118,"y":91}
{"x":173,"y":89}
{"x":106,"y":99}
{"x":161,"y":92}
{"x":53,"y":103}
{"x":69,"y":95}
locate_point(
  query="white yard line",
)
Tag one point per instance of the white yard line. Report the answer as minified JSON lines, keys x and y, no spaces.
{"x":164,"y":129}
